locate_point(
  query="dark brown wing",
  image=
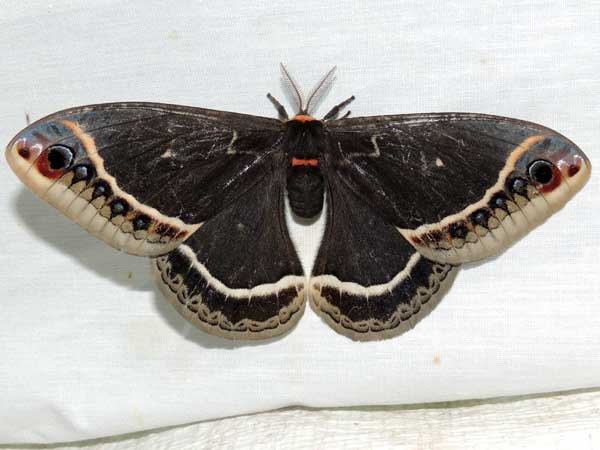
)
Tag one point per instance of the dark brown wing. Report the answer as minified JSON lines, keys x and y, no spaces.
{"x":144,"y":176}
{"x":368,"y":282}
{"x":238,"y":276}
{"x":458,"y":187}
{"x":412,"y":197}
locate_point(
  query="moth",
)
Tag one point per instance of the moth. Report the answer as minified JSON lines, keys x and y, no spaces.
{"x":408,"y":199}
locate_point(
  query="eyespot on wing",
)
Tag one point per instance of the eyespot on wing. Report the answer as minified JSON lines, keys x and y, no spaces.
{"x":41,"y":153}
{"x":556,"y":167}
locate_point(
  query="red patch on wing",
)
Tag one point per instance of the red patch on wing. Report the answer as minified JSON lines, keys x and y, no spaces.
{"x":43,"y":166}
{"x":416,"y":240}
{"x":305,"y":162}
{"x":24,"y":152}
{"x":554,"y":182}
{"x":574,"y":169}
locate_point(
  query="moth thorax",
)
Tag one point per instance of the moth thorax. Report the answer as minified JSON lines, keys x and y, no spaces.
{"x":304,"y":139}
{"x":305,"y":189}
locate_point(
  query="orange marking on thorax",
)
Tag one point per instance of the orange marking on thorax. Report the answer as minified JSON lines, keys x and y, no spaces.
{"x":303,"y":118}
{"x":305,"y":162}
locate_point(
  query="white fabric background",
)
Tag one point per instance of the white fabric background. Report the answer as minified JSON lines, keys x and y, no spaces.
{"x":89,"y":348}
{"x":558,"y":422}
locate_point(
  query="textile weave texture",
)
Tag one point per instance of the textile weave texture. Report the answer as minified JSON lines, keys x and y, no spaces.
{"x":88,"y":346}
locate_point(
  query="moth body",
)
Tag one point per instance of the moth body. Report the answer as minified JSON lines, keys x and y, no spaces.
{"x":305,"y":142}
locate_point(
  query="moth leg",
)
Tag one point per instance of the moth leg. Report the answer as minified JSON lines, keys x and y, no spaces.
{"x":283,"y":115}
{"x":333,"y":113}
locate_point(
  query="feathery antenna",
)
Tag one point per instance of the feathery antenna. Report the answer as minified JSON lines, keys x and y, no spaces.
{"x":320,"y":88}
{"x":294,"y":88}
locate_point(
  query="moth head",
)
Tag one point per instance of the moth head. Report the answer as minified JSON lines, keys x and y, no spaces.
{"x":553,"y":162}
{"x":45,"y":149}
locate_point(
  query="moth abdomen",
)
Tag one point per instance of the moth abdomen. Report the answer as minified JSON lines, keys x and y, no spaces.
{"x":306,"y":189}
